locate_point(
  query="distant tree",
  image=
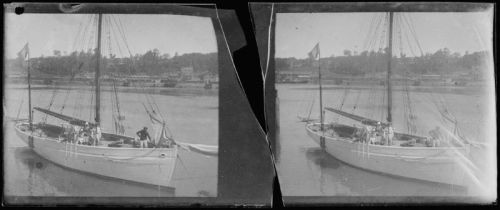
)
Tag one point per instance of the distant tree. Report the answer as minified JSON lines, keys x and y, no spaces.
{"x":57,"y":53}
{"x":347,"y":52}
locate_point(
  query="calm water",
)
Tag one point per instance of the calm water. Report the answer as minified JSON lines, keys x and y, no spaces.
{"x":192,"y":117}
{"x":305,"y":170}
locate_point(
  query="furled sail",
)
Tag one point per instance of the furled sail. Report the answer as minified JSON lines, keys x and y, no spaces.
{"x":160,"y":137}
{"x":71,"y":120}
{"x":208,"y":150}
{"x":159,"y":129}
{"x":363,"y":120}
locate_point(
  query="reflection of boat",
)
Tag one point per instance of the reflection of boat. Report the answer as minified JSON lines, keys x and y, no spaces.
{"x":68,"y":181}
{"x":408,"y":155}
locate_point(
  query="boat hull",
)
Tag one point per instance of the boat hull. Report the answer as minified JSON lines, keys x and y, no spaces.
{"x":152,"y":166}
{"x":433,"y":164}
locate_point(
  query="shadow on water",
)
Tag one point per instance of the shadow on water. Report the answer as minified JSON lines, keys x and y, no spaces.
{"x":367,"y":183}
{"x":69,"y":182}
{"x":321,"y":158}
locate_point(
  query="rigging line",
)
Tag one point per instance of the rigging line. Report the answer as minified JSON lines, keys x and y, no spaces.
{"x":381,"y":35}
{"x":410,"y":107}
{"x":406,"y":107}
{"x":108,"y":32}
{"x":399,"y":29}
{"x":405,"y":110}
{"x":123,"y":34}
{"x":414,"y":33}
{"x":370,"y":31}
{"x":89,"y":43}
{"x":77,"y":35}
{"x":80,"y":35}
{"x":50,"y":102}
{"x":403,"y":25}
{"x":113,"y":111}
{"x":376,"y":31}
{"x":373,"y":41}
{"x":409,"y":21}
{"x":369,"y":101}
{"x":410,"y":47}
{"x":346,"y":90}
{"x":77,"y":103}
{"x":87,"y":33}
{"x":92,"y":103}
{"x":356,"y":102}
{"x":382,"y":104}
{"x":114,"y":32}
{"x":19,"y":110}
{"x":310,"y":110}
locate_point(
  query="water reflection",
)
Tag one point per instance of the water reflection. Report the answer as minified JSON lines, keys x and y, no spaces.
{"x":45,"y":178}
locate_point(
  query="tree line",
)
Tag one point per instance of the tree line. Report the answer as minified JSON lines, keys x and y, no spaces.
{"x":441,"y":62}
{"x":151,"y":63}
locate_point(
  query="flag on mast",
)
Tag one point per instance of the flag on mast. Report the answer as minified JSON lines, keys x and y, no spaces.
{"x":314,"y":54}
{"x":24,"y":53}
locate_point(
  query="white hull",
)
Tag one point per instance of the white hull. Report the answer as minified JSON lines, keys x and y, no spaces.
{"x":153,"y":166}
{"x":434,"y":164}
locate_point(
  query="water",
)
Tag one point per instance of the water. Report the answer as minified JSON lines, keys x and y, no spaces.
{"x":192,"y":117}
{"x":306,"y":170}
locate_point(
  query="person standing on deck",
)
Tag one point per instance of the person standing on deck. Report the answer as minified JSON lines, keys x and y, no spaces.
{"x":390,"y":134}
{"x":76,"y":132}
{"x":143,"y":137}
{"x":378,"y":129}
{"x":367,"y":133}
{"x":97,"y":135}
{"x":436,"y":136}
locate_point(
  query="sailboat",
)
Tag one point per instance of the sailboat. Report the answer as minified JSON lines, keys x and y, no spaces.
{"x":115,"y":155}
{"x":408,"y":155}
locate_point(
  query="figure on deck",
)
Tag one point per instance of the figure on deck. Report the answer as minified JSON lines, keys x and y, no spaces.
{"x":436,"y":136}
{"x":367,"y":133}
{"x":97,"y":135}
{"x":75,"y":133}
{"x":144,"y":137}
{"x":390,"y":134}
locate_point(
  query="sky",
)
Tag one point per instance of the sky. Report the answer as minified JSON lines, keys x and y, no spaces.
{"x":297,"y":33}
{"x":168,"y":33}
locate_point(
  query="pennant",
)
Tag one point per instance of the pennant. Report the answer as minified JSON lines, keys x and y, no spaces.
{"x":314,"y":54}
{"x":24,"y":53}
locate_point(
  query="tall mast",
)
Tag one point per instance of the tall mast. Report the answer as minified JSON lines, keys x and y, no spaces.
{"x":389,"y":66}
{"x":320,"y":89}
{"x":29,"y":92}
{"x":98,"y":74}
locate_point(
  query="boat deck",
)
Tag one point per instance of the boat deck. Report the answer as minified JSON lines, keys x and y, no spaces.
{"x":107,"y":140}
{"x":399,"y":139}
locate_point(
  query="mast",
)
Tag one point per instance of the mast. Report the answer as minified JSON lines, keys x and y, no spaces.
{"x":320,"y":89}
{"x":389,"y":66}
{"x":29,"y":93}
{"x":97,"y":74}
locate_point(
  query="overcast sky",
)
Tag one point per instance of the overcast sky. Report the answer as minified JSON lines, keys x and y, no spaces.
{"x":169,"y":33}
{"x":297,"y":33}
